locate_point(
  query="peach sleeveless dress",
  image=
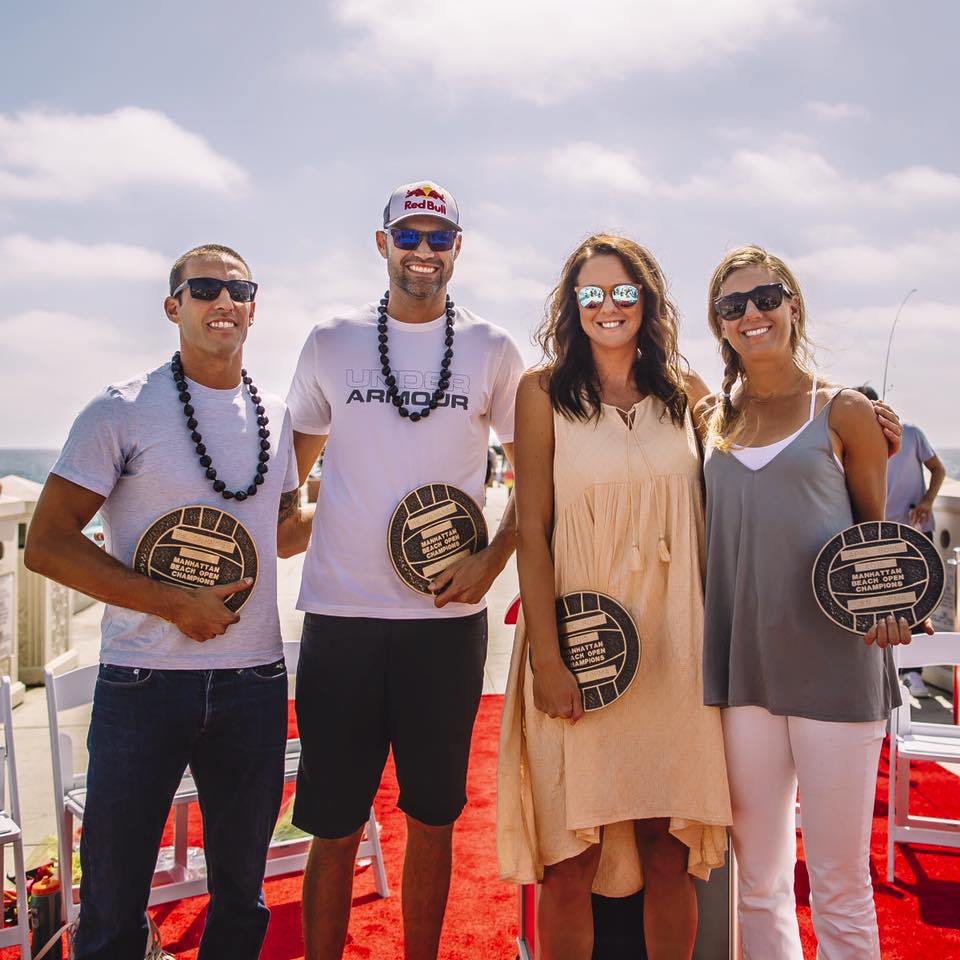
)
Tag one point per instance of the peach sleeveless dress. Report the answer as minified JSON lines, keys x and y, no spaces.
{"x":628,"y":522}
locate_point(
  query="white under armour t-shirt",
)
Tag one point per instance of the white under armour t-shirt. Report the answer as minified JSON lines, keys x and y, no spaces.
{"x":374,"y":457}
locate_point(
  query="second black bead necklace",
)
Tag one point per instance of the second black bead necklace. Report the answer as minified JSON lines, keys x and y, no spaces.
{"x":176,"y":367}
{"x":393,"y":392}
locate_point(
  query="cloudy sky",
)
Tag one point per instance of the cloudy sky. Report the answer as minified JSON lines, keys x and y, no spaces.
{"x":823,"y":129}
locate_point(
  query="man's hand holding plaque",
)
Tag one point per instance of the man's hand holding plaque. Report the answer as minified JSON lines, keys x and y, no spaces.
{"x":210,"y":552}
{"x":204,"y":613}
{"x":434,"y":528}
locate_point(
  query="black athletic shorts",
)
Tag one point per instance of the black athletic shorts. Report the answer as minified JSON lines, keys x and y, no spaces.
{"x":367,"y":685}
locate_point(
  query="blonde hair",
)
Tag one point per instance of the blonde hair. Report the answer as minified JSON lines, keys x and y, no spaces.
{"x":726,"y":423}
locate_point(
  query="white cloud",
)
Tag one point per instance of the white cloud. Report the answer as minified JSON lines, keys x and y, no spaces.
{"x":60,"y":360}
{"x":499,"y":272}
{"x":592,"y":165}
{"x":924,"y":357}
{"x":24,"y":258}
{"x":68,"y":156}
{"x":546,"y":50}
{"x":790,"y":172}
{"x":933,"y":255}
{"x":839,"y":110}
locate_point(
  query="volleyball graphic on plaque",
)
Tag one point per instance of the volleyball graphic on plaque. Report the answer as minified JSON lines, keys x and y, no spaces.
{"x":875,"y":568}
{"x":599,"y":644}
{"x":433,"y":527}
{"x":198,"y":546}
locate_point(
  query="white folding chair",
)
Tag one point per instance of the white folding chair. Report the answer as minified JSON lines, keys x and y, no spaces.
{"x":16,"y":934}
{"x":920,"y":741}
{"x":290,"y":856}
{"x":67,"y":691}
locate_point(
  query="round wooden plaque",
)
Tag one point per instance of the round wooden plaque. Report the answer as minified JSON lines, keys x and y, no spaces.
{"x":199,"y":546}
{"x":433,"y":527}
{"x":875,"y":568}
{"x":600,"y":645}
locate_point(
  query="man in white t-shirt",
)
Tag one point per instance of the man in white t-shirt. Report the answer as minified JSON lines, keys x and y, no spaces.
{"x":397,"y":396}
{"x":192,"y":493}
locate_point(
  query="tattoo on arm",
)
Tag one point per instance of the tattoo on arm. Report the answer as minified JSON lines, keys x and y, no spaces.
{"x":289,"y":505}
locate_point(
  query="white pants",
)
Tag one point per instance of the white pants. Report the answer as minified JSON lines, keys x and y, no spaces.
{"x":836,"y":766}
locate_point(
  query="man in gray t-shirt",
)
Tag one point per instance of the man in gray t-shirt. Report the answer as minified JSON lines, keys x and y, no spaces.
{"x":193,"y":473}
{"x":910,"y":499}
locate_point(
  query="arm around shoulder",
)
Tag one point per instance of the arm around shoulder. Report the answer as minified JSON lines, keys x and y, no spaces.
{"x":863,"y":453}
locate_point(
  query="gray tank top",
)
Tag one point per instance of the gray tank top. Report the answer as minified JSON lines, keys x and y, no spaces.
{"x":766,"y":641}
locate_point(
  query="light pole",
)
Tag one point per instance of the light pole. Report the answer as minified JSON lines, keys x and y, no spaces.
{"x":886,"y":363}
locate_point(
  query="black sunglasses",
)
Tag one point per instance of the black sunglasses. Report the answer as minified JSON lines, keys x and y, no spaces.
{"x":768,"y":296}
{"x":208,"y":288}
{"x":406,"y":238}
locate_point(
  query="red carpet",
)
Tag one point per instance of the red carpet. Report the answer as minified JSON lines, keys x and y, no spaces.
{"x":481,"y":917}
{"x":919,"y":914}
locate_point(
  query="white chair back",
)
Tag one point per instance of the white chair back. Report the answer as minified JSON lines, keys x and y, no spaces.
{"x":66,"y":691}
{"x":928,"y":651}
{"x":919,"y":740}
{"x":291,"y":654}
{"x":19,"y":933}
{"x":9,"y":789}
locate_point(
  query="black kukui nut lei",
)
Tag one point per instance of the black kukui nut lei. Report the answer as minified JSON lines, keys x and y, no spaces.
{"x":393,"y":394}
{"x":219,"y":486}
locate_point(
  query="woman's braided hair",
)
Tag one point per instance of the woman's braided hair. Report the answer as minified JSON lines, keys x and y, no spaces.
{"x":726,"y":421}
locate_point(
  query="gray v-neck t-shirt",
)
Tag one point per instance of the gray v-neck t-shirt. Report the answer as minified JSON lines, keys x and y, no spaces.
{"x":766,"y":641}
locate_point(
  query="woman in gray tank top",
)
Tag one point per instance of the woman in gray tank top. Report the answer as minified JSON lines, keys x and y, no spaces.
{"x":790,"y":462}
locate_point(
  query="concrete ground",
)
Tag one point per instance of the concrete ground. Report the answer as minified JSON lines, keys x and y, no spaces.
{"x":30,"y":718}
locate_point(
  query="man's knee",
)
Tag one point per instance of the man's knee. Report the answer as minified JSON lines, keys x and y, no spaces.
{"x":338,"y":850}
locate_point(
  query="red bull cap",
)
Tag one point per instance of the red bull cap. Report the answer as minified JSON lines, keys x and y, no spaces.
{"x":421,"y":199}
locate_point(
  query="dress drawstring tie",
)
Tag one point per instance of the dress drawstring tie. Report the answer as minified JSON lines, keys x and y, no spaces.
{"x":663,"y":551}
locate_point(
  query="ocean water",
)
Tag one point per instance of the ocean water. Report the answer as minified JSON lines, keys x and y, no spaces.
{"x":951,"y":460}
{"x":31,"y":464}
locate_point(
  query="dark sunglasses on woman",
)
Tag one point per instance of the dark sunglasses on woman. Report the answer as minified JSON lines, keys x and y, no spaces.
{"x":768,"y":296}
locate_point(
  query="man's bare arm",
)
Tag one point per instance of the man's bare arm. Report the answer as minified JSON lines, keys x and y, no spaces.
{"x":307,"y":447}
{"x":470,"y":579}
{"x":938,"y":472}
{"x":294,"y":524}
{"x":57,"y":548}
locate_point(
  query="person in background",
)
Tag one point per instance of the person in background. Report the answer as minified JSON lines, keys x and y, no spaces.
{"x":910,"y":499}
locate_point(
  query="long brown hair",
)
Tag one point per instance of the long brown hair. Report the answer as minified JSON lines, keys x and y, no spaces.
{"x":726,"y":422}
{"x":574,"y":385}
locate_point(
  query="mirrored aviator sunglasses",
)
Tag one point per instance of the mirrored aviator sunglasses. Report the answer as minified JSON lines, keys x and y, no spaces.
{"x":767,"y":296}
{"x":208,"y":288}
{"x":623,"y":295}
{"x":439,"y":241}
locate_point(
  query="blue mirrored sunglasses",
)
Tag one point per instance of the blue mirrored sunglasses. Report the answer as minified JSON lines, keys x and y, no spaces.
{"x":406,"y":238}
{"x":623,"y":295}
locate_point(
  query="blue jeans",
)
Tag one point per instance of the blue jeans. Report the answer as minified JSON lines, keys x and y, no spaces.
{"x":147,"y":726}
